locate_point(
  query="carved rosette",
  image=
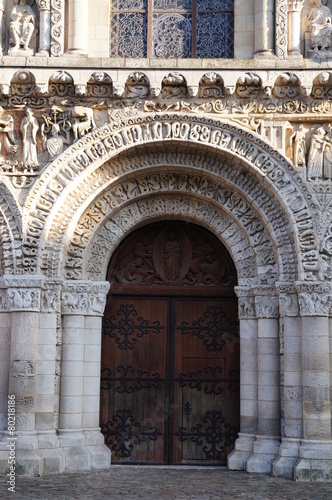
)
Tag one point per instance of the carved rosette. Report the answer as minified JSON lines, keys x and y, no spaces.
{"x":84,"y":298}
{"x":315,"y":298}
{"x":288,"y":301}
{"x":246,"y":302}
{"x":266,"y":302}
{"x":22,"y":293}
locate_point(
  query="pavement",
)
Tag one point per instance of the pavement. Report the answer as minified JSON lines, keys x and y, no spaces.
{"x":163,"y":483}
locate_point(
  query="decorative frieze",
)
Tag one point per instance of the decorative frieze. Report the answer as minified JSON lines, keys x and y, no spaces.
{"x":315,"y":298}
{"x":57,"y":27}
{"x":288,"y":301}
{"x":281,"y":28}
{"x":84,"y":298}
{"x":266,"y":302}
{"x":23,"y":292}
{"x":246,"y":302}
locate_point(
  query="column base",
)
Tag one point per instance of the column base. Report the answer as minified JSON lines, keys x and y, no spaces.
{"x":283,"y":466}
{"x":265,"y":450}
{"x":315,"y":463}
{"x":236,"y":460}
{"x":28,"y":463}
{"x":77,"y":52}
{"x":84,"y":450}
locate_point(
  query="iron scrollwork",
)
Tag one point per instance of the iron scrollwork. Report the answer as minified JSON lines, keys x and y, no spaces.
{"x":215,"y":328}
{"x":213,"y":434}
{"x":126,"y":327}
{"x":129,"y":379}
{"x":210,"y":379}
{"x":123,"y":432}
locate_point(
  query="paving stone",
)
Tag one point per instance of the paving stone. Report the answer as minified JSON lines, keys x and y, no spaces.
{"x":160,"y":483}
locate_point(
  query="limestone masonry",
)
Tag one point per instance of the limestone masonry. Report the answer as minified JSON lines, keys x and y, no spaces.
{"x":101,"y":136}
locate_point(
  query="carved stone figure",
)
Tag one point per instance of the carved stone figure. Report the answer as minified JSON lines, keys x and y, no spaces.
{"x":298,"y":146}
{"x":172,"y":256}
{"x":55,"y":144}
{"x":84,"y":121}
{"x":174,"y":85}
{"x":320,"y":27}
{"x":316,"y":154}
{"x":137,"y":85}
{"x":327,"y":163}
{"x":21,"y":29}
{"x":29,"y":129}
{"x":7,"y":138}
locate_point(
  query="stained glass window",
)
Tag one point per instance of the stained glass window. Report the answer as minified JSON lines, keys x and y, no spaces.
{"x":172,"y":28}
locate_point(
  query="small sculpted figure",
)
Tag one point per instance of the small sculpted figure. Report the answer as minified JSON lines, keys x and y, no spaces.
{"x":29,"y":129}
{"x":299,"y":146}
{"x":55,"y":144}
{"x":320,"y":26}
{"x":21,"y":28}
{"x":7,"y":138}
{"x":316,"y":154}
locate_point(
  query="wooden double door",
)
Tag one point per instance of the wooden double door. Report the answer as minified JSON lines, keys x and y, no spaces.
{"x":170,"y":361}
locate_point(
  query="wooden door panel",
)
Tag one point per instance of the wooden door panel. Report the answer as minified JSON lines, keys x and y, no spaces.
{"x":206,"y":380}
{"x":133,"y":381}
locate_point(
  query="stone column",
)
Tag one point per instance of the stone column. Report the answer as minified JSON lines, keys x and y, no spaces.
{"x":316,"y":446}
{"x":266,"y":446}
{"x":83,"y":305}
{"x":5,"y":330}
{"x":264,"y":27}
{"x":248,"y":380}
{"x":294,"y":27}
{"x":46,"y":398}
{"x":78,"y":16}
{"x":44,"y":7}
{"x":291,"y":406}
{"x":23,"y":294}
{"x":2,"y":10}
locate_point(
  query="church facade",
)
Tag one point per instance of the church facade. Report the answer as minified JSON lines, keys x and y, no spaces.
{"x":166,"y":235}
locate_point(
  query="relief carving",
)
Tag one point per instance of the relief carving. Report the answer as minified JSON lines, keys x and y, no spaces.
{"x":298,"y":146}
{"x":211,"y":85}
{"x":320,"y":28}
{"x":21,"y":29}
{"x":100,"y":85}
{"x":137,"y":85}
{"x":8,"y":142}
{"x":320,"y":154}
{"x":24,"y":299}
{"x":173,"y":85}
{"x":29,"y":128}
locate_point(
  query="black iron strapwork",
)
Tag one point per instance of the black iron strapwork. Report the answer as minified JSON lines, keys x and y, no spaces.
{"x":215,"y":436}
{"x":123,"y":432}
{"x":126,"y":326}
{"x":210,"y":379}
{"x":129,"y":379}
{"x":215,"y":328}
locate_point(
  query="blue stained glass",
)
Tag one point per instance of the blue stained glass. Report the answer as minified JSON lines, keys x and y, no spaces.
{"x":172,"y":4}
{"x":172,"y":35}
{"x":128,"y":4}
{"x":215,"y":5}
{"x":128,"y":35}
{"x":215,"y":35}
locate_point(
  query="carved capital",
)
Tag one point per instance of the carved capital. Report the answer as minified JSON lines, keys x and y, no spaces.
{"x":295,"y":5}
{"x":266,"y":302}
{"x":288,"y":301}
{"x":43,"y":4}
{"x":315,"y":298}
{"x":50,"y":296}
{"x":84,"y":298}
{"x":246,"y":302}
{"x":23,"y":292}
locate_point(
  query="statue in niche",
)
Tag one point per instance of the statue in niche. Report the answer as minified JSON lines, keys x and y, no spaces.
{"x":172,"y":256}
{"x":21,"y":29}
{"x":56,"y":143}
{"x":298,"y":146}
{"x":320,"y":26}
{"x":7,"y":140}
{"x":316,"y":154}
{"x":29,"y":129}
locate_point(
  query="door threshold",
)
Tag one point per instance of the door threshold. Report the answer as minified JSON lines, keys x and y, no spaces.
{"x":174,"y":467}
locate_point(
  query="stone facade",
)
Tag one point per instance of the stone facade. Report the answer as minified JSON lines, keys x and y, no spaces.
{"x":93,"y":147}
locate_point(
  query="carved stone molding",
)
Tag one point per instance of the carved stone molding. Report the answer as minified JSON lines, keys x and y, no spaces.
{"x":315,"y":298}
{"x":57,"y":27}
{"x":288,"y":300}
{"x":84,"y":298}
{"x":266,"y":302}
{"x":246,"y":302}
{"x":281,"y":28}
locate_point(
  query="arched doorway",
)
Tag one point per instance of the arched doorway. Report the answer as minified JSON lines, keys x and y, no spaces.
{"x":170,"y":349}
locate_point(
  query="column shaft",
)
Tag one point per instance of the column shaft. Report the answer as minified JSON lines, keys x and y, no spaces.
{"x":294,"y":27}
{"x":264,"y":27}
{"x":78,"y":15}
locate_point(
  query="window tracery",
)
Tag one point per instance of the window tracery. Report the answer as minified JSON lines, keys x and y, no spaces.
{"x":172,"y":28}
